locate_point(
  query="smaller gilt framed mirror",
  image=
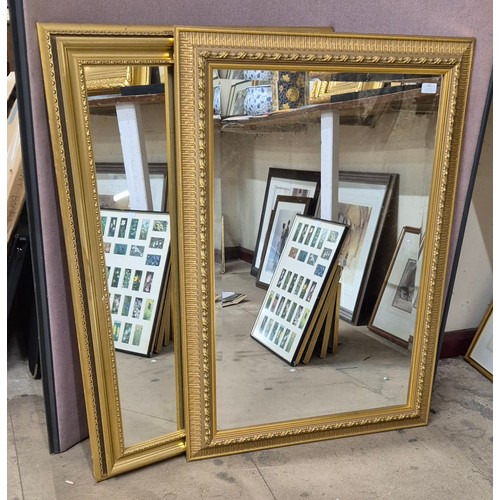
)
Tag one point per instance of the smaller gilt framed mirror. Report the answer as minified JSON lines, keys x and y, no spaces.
{"x":109,"y":93}
{"x":303,"y":159}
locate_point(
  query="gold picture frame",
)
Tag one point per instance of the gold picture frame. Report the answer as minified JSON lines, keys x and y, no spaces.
{"x":198,"y":52}
{"x":68,"y":50}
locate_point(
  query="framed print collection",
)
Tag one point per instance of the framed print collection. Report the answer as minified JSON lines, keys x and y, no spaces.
{"x":299,"y":286}
{"x":137,"y":254}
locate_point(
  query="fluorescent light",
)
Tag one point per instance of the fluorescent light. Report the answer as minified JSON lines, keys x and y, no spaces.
{"x":120,"y":196}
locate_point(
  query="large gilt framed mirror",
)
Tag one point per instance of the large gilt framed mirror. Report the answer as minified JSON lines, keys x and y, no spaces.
{"x":323,"y":162}
{"x":109,"y":93}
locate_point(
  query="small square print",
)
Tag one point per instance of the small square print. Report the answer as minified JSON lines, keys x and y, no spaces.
{"x":126,"y":278}
{"x":136,"y":311}
{"x":107,"y":247}
{"x":304,"y":318}
{"x":280,"y":306}
{"x":263,"y":324}
{"x":153,"y":260}
{"x":290,"y":342}
{"x":115,"y":307}
{"x":312,"y":259}
{"x":127,"y":330}
{"x":120,"y":249}
{"x":160,"y":225}
{"x":134,"y":224}
{"x":136,"y":251}
{"x":293,"y":252}
{"x":320,"y":270}
{"x":148,"y":281}
{"x":136,"y":284}
{"x":116,"y":330}
{"x":332,"y":237}
{"x":148,"y":309}
{"x":136,"y":340}
{"x":326,"y":253}
{"x":297,"y":232}
{"x":292,"y":312}
{"x":127,"y":300}
{"x":144,"y":229}
{"x":302,"y":256}
{"x":112,"y":226}
{"x":297,"y":315}
{"x":116,"y":277}
{"x":104,"y":219}
{"x":157,"y":243}
{"x":123,"y":227}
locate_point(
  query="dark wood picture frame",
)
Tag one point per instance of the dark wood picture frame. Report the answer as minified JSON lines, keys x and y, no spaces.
{"x":303,"y":180}
{"x":382,"y":228}
{"x":282,"y":208}
{"x":392,"y":284}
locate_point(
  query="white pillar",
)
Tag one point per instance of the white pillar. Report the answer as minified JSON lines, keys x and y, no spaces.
{"x":134,"y":156}
{"x":330,"y":123}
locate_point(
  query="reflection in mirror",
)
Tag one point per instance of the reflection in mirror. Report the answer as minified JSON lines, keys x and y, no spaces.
{"x":295,"y":335}
{"x":128,"y":130}
{"x":109,"y":94}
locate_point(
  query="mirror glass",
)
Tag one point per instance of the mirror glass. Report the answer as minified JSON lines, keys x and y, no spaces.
{"x":128,"y":131}
{"x":291,"y":150}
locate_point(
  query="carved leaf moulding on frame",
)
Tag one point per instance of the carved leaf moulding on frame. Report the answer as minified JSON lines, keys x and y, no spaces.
{"x":61,"y":168}
{"x":207,"y":52}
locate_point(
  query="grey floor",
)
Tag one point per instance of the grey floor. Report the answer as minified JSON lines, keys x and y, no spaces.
{"x":451,"y":458}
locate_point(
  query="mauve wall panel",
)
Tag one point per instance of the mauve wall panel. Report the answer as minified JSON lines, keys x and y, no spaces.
{"x":471,"y":18}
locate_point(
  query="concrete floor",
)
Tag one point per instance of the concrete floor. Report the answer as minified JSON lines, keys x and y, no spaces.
{"x":450,"y":458}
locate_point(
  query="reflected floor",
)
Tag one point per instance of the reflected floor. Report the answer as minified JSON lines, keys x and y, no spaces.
{"x":147,"y":395}
{"x":254,"y":386}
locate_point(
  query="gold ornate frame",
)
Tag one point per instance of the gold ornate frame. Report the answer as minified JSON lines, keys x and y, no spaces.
{"x":197,"y":52}
{"x":67,"y":50}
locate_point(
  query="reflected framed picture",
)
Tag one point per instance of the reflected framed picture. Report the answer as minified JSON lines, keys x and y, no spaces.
{"x":295,"y":293}
{"x":283,"y":214}
{"x":137,"y":253}
{"x":480,"y":352}
{"x":394,"y":314}
{"x":113,"y":188}
{"x":283,"y":182}
{"x":236,"y":99}
{"x":364,"y":202}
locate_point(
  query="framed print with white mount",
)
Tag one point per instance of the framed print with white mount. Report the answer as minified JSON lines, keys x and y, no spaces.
{"x":283,"y":214}
{"x":284,"y":182}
